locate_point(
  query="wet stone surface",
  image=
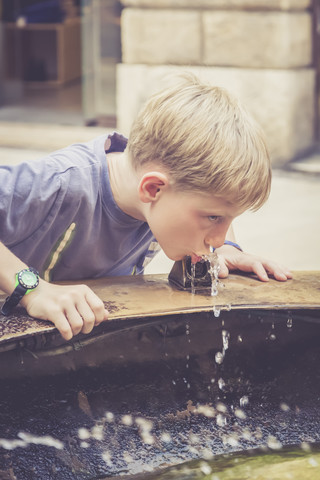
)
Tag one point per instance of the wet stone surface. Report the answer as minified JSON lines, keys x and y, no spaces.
{"x":164,"y":399}
{"x":20,"y":321}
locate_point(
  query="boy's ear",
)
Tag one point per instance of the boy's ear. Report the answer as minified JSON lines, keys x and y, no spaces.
{"x":151,"y":185}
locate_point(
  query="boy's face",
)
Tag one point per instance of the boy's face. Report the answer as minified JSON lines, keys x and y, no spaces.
{"x":188,"y":223}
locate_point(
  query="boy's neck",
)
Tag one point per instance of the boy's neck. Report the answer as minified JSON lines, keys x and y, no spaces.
{"x":124,"y":185}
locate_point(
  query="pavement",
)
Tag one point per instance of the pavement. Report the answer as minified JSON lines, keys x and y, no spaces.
{"x":286,"y":229}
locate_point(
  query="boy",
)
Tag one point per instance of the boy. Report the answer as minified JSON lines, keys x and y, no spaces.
{"x":194,"y":161}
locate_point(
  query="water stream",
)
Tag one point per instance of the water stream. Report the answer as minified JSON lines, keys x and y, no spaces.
{"x":214,"y":269}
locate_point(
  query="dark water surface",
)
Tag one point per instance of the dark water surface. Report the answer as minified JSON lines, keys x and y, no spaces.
{"x":158,"y":397}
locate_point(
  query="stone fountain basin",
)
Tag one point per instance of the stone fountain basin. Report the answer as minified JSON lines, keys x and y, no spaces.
{"x":137,"y":300}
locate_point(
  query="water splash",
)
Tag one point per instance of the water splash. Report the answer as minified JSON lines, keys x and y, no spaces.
{"x":26,"y":439}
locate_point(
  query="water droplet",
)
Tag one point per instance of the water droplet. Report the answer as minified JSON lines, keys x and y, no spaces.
{"x":109,"y":416}
{"x":127,"y":420}
{"x":221,"y":383}
{"x":221,"y":420}
{"x":106,"y":457}
{"x":305,"y":446}
{"x":289,"y":322}
{"x":206,"y":411}
{"x":207,"y":455}
{"x":284,"y":407}
{"x":221,"y":407}
{"x":313,"y":462}
{"x":246,"y":434}
{"x":274,"y":443}
{"x":84,"y":434}
{"x":240,"y":413}
{"x":205,"y":469}
{"x":231,"y":440}
{"x":165,"y":437}
{"x":244,"y":401}
{"x":97,"y":432}
{"x":127,"y":457}
{"x":144,"y":424}
{"x":219,"y":357}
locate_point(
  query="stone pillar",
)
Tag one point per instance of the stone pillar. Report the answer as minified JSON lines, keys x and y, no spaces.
{"x":261,"y":50}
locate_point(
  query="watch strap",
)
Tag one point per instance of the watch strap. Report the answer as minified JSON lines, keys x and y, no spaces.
{"x":13,"y":299}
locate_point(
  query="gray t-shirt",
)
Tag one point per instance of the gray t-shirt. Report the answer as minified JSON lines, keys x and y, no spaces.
{"x":59,"y":216}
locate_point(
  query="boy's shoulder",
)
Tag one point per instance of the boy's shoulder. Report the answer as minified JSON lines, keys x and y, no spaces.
{"x":93,"y":152}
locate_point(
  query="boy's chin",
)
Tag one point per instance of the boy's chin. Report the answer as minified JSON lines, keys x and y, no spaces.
{"x":175,"y":258}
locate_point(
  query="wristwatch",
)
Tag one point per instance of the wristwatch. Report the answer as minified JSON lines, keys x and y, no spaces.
{"x":26,"y":281}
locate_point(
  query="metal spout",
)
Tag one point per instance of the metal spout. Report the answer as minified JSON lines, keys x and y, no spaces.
{"x":181,"y":274}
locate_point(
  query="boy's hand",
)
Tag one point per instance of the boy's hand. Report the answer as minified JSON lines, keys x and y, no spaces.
{"x":72,"y":308}
{"x":231,"y":258}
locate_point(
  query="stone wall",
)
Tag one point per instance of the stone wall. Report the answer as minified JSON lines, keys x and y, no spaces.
{"x":261,"y":50}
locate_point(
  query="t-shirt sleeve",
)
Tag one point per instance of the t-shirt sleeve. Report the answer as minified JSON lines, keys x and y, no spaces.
{"x":28,"y":193}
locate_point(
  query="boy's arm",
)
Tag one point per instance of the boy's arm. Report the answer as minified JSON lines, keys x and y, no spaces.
{"x":231,"y":258}
{"x":72,"y":308}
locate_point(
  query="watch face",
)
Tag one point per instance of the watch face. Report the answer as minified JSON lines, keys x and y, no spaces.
{"x":28,"y":279}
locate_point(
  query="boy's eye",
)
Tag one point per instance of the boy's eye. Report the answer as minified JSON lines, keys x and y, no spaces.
{"x":213,"y":218}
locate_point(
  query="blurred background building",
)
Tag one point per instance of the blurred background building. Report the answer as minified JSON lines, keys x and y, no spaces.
{"x":72,"y":69}
{"x":92,"y":62}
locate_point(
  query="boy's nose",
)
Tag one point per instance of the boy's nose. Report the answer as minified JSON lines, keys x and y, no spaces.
{"x":217,"y":237}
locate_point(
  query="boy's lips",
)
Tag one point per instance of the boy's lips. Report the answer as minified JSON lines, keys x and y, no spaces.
{"x":195,"y":258}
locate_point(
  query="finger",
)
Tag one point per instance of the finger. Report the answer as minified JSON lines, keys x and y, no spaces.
{"x":87,"y":316}
{"x":75,"y":320}
{"x":63,"y":326}
{"x":224,"y":271}
{"x":97,"y":307}
{"x":280,"y":273}
{"x":260,"y":271}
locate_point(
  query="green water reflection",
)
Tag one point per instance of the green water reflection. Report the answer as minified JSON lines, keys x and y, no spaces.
{"x":288,"y":463}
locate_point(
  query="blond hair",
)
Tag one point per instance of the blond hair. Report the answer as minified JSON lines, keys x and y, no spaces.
{"x":205,"y":140}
